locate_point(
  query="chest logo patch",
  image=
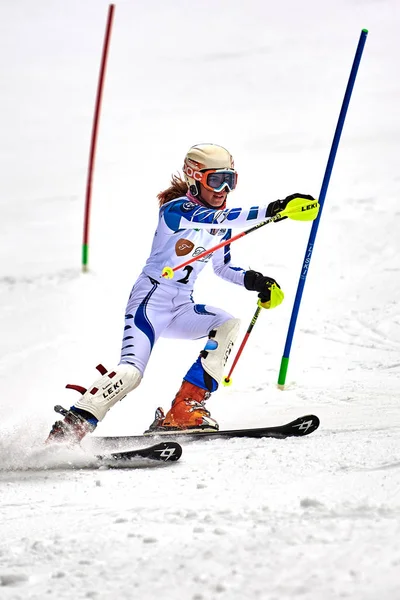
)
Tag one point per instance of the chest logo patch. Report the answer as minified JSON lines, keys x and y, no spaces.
{"x":183,"y":247}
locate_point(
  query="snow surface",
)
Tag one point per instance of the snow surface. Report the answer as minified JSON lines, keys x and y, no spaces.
{"x":312,"y":518}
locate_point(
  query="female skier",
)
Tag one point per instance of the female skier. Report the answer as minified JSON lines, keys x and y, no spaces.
{"x":193,"y":216}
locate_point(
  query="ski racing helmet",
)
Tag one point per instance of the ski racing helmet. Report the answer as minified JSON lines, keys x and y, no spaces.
{"x":210,"y":165}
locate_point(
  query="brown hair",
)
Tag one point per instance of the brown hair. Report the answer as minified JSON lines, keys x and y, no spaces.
{"x":177,"y":189}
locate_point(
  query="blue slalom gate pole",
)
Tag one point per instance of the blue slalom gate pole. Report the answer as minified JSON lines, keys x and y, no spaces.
{"x":314,"y":229}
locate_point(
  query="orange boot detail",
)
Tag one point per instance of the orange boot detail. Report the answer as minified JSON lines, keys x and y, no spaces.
{"x":187,"y":412}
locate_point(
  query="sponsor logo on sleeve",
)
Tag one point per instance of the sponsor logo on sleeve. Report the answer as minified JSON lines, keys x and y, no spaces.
{"x":188,"y":206}
{"x":183,"y":247}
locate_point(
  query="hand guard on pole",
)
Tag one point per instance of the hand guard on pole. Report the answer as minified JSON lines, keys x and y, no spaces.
{"x":270,"y":293}
{"x":279,"y":205}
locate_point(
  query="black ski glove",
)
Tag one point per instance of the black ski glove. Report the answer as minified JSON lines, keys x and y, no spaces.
{"x":275,"y":207}
{"x":270,"y":293}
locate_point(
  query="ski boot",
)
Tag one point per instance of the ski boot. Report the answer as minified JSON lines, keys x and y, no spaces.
{"x":187,"y":413}
{"x":73,"y":428}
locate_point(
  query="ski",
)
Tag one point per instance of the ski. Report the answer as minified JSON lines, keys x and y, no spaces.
{"x":164,"y":452}
{"x":59,"y":457}
{"x":297,"y":428}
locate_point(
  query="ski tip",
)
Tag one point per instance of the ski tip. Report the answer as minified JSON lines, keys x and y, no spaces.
{"x":304,"y":425}
{"x":167,"y":451}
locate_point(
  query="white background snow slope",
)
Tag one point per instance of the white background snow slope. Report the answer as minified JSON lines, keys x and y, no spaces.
{"x":313,"y":518}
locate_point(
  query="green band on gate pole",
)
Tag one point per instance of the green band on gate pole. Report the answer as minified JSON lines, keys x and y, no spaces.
{"x":85,"y":256}
{"x":283,"y":371}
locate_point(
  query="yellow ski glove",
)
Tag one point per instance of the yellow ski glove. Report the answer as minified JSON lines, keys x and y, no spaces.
{"x":276,"y":297}
{"x":270,"y":294}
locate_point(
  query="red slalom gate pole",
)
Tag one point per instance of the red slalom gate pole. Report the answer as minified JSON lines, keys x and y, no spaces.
{"x":93,"y":143}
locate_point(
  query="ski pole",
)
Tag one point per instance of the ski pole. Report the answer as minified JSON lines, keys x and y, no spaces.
{"x":314,"y":229}
{"x":300,"y":211}
{"x":227,"y":380}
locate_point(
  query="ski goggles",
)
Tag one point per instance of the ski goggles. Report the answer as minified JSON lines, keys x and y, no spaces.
{"x":218,"y":179}
{"x":214,"y":180}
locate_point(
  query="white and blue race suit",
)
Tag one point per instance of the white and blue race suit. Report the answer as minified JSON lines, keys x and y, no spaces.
{"x":165,"y":307}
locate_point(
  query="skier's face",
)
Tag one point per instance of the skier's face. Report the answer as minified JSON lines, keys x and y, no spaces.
{"x":212,"y":198}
